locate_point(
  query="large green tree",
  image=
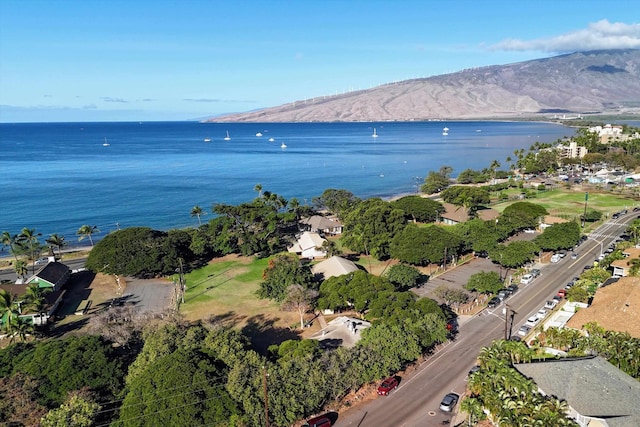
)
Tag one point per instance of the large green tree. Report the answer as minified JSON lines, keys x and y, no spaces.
{"x":485,"y":282}
{"x":559,"y":236}
{"x":283,"y":271}
{"x":340,"y":202}
{"x":419,"y":209}
{"x":370,"y":226}
{"x":437,"y":181}
{"x":421,"y":246}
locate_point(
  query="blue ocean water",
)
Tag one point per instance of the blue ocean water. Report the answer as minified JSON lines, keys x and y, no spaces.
{"x":56,"y":177}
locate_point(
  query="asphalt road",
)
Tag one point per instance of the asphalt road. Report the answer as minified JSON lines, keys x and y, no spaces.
{"x":416,"y":401}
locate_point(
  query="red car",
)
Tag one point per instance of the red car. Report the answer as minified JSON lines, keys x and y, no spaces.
{"x":387,"y":386}
{"x":562,"y":293}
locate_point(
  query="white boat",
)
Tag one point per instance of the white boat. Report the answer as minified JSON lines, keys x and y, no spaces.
{"x":445,"y":131}
{"x":375,"y":134}
{"x":259,"y":134}
{"x":207,"y":140}
{"x":227,"y":138}
{"x":283,"y":145}
{"x":105,"y":143}
{"x":271,"y":139}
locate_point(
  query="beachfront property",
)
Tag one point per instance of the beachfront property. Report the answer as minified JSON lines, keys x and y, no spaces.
{"x":309,"y":245}
{"x":321,"y":224}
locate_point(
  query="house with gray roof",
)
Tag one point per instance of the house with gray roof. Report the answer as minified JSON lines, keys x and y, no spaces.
{"x":322,"y":224}
{"x":309,"y":245}
{"x":53,"y":275}
{"x":333,"y":267}
{"x":598,"y":393}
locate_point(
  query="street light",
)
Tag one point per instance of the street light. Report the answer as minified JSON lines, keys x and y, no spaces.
{"x":417,"y":180}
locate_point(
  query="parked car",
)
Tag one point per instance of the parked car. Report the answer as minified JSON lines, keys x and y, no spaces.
{"x":529,"y":230}
{"x":321,"y":421}
{"x":555,"y":258}
{"x":551,"y":304}
{"x":532,"y":321}
{"x":535,"y":272}
{"x":524,"y":330}
{"x":513,"y":288}
{"x":449,"y":402}
{"x":526,"y":279}
{"x":494,"y":302}
{"x":387,"y":386}
{"x":562,"y":293}
{"x":574,"y":256}
{"x":542,"y":313}
{"x":474,"y":369}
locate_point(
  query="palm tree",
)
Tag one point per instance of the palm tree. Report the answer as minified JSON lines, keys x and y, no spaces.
{"x":34,"y":297}
{"x":9,"y":240}
{"x":87,"y":231}
{"x":473,"y":407}
{"x":197,"y":211}
{"x":494,"y":165}
{"x":21,"y":268}
{"x":28,"y":239}
{"x":57,"y":241}
{"x":9,"y":311}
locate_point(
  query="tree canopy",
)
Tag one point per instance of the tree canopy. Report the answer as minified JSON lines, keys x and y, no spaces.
{"x":421,"y":246}
{"x":418,"y":208}
{"x":559,"y":236}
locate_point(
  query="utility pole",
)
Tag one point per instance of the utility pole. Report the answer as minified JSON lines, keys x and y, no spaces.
{"x":584,"y":217}
{"x":508,"y":314}
{"x":266,"y":397}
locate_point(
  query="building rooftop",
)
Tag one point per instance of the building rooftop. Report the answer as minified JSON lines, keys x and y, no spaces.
{"x":591,"y":385}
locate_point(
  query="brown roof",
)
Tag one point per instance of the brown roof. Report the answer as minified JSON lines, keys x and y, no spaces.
{"x":615,"y":307}
{"x":632,"y":252}
{"x":459,"y":213}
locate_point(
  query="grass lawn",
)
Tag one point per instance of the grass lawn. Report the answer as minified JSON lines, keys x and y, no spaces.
{"x":570,"y":204}
{"x":225,"y":292}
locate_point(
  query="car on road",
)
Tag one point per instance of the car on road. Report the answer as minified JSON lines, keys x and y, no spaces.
{"x":387,"y":386}
{"x":535,"y":272}
{"x":449,"y":402}
{"x":551,"y":304}
{"x":494,"y":302}
{"x":321,"y":421}
{"x":574,"y":256}
{"x":562,"y":293}
{"x":542,"y":313}
{"x":556,"y":258}
{"x":513,"y":288}
{"x":42,"y":261}
{"x":529,"y":230}
{"x":524,"y":330}
{"x":526,"y":279}
{"x":532,"y":321}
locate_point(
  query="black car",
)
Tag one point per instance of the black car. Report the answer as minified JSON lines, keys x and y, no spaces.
{"x":494,"y":302}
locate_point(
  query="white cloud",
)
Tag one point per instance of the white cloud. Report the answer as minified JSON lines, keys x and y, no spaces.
{"x":598,"y":35}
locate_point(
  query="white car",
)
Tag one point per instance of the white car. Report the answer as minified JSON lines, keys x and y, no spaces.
{"x":529,"y":230}
{"x":532,"y":321}
{"x":551,"y":304}
{"x":542,"y":313}
{"x":526,"y":279}
{"x":524,"y":330}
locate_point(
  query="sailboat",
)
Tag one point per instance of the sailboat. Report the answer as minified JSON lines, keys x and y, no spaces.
{"x":375,"y":134}
{"x":272,"y":139}
{"x":259,"y":134}
{"x":445,"y":131}
{"x":105,"y":143}
{"x":227,"y":138}
{"x":207,"y":140}
{"x":283,"y":145}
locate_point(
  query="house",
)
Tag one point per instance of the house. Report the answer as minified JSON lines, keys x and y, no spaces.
{"x":598,"y":393}
{"x":52,"y":275}
{"x":333,"y":267}
{"x":615,"y":307}
{"x":52,"y":302}
{"x":322,"y":224}
{"x":456,"y":214}
{"x":309,"y":245}
{"x":622,"y":267}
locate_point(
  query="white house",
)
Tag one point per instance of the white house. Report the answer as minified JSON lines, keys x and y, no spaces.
{"x":309,"y":245}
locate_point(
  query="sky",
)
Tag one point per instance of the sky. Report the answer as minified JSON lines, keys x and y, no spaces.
{"x":142,"y":60}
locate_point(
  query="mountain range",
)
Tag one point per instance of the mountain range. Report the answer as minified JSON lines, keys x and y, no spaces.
{"x":594,"y":82}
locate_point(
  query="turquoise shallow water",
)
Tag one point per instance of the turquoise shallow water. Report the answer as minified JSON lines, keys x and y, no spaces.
{"x":55,"y":177}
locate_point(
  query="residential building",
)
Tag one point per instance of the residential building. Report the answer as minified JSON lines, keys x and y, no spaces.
{"x":598,"y":393}
{"x":615,"y":307}
{"x":322,"y":224}
{"x":571,"y":151}
{"x":333,"y":267}
{"x":456,"y":214}
{"x":309,"y":245}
